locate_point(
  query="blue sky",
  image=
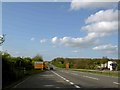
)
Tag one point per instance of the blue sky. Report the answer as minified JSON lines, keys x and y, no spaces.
{"x":63,"y":29}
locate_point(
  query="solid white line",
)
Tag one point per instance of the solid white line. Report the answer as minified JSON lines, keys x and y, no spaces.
{"x":59,"y":76}
{"x":21,"y":82}
{"x":116,"y":83}
{"x":76,"y":86}
{"x":65,"y":79}
{"x":71,"y":83}
{"x":91,"y":77}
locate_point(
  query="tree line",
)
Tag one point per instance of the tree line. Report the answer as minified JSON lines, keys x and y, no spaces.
{"x":15,"y":68}
{"x":83,"y":63}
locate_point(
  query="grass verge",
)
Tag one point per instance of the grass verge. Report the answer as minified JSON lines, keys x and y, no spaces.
{"x":107,"y":73}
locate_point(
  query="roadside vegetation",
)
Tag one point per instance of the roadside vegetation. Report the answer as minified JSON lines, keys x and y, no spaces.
{"x":16,"y":68}
{"x":108,"y":73}
{"x":83,"y":63}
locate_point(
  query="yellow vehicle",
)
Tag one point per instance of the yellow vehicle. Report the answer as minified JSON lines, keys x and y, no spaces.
{"x":40,"y":65}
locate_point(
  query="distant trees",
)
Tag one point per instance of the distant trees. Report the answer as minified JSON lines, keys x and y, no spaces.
{"x":80,"y":63}
{"x":59,"y":62}
{"x":37,"y":58}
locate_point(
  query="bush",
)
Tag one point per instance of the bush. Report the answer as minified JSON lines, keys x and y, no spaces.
{"x":13,"y":68}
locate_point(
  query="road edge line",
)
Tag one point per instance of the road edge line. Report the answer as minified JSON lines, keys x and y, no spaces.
{"x":76,"y":86}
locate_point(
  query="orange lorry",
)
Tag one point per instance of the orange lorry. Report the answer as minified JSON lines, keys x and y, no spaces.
{"x":39,"y":65}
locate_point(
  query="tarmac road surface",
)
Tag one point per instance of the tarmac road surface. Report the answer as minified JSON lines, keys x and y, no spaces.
{"x":61,"y":78}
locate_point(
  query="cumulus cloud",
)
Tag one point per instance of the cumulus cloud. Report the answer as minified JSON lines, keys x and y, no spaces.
{"x":75,"y":42}
{"x":103,"y":22}
{"x":102,"y":28}
{"x":103,"y":15}
{"x":43,"y":40}
{"x":80,"y":4}
{"x":96,"y":27}
{"x":107,"y":48}
{"x":55,"y":40}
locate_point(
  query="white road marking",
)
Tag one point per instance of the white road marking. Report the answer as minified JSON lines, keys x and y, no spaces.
{"x":48,"y":85}
{"x":71,"y":83}
{"x":21,"y":82}
{"x":116,"y":83}
{"x":91,"y":77}
{"x":76,"y":86}
{"x":65,"y":79}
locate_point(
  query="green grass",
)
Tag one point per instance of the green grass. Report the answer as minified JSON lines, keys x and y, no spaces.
{"x":108,"y":73}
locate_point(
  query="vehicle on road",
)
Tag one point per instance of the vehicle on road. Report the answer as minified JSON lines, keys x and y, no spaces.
{"x":51,"y":68}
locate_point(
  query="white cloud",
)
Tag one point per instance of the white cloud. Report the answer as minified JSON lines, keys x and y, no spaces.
{"x":75,"y":42}
{"x":102,"y":28}
{"x":32,"y":39}
{"x":107,"y":48}
{"x":102,"y":23}
{"x":43,"y":40}
{"x":96,"y":28}
{"x":103,"y":15}
{"x":80,"y":4}
{"x":55,"y":40}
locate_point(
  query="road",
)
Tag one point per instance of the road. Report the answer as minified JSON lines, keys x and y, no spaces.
{"x":61,"y":78}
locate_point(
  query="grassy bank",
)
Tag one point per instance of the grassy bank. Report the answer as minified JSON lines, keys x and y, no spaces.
{"x":108,"y":73}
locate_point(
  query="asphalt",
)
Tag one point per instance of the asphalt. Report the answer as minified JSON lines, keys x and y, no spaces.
{"x":45,"y":79}
{"x":61,"y":78}
{"x":88,"y":80}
